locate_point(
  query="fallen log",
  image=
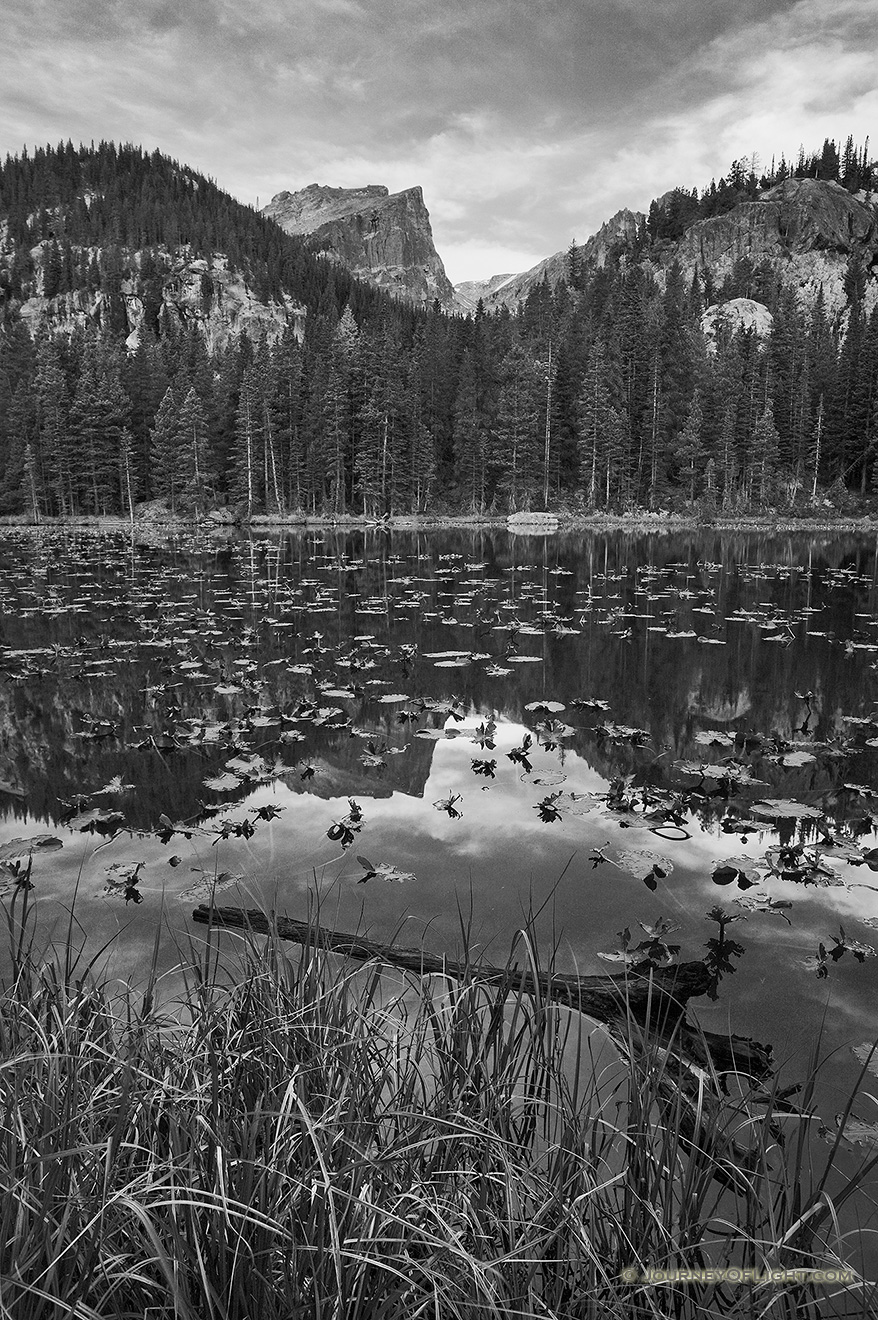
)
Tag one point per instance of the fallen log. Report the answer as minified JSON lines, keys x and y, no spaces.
{"x":657,"y":996}
{"x":601,"y":997}
{"x":652,"y":1001}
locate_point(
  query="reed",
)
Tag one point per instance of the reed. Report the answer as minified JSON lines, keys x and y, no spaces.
{"x":294,"y":1136}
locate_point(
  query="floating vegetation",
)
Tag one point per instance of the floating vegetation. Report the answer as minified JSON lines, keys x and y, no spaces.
{"x":235,"y":710}
{"x":382,"y":871}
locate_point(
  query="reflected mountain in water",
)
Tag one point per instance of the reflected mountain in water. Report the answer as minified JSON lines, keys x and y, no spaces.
{"x":154,"y":666}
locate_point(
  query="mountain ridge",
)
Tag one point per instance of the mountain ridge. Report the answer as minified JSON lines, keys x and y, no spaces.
{"x":596,"y":250}
{"x":383,"y":237}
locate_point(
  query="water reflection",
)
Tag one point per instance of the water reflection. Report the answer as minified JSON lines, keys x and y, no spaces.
{"x":202,"y":683}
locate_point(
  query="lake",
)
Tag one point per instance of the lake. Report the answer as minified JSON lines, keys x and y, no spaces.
{"x":415,"y":733}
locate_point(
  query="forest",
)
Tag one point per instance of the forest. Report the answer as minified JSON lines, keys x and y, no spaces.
{"x":602,"y":393}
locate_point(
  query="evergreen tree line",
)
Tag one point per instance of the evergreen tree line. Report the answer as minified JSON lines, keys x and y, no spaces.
{"x":670,"y":216}
{"x":605,"y":397}
{"x":601,"y":393}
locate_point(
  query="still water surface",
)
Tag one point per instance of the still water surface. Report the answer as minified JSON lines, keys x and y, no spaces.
{"x":252,"y":690}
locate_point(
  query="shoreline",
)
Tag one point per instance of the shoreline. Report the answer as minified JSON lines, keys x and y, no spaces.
{"x":642,"y":522}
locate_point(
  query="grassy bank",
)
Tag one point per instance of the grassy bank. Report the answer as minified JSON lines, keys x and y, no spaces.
{"x":293,"y":1136}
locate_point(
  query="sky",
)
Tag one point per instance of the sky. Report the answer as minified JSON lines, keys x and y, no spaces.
{"x":527,"y":125}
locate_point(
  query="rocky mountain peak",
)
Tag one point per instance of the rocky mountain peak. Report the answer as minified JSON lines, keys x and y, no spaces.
{"x":510,"y":290}
{"x":304,"y":211}
{"x":382,"y":237}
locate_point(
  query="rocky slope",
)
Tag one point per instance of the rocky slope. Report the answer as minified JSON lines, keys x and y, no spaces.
{"x":807,"y":229}
{"x":382,"y":237}
{"x":217,"y":300}
{"x":510,"y":290}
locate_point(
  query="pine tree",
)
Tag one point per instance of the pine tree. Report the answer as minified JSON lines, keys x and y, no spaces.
{"x":422,"y":454}
{"x":673,"y":382}
{"x":127,"y":474}
{"x":287,"y":372}
{"x":378,"y":464}
{"x":146,"y":381}
{"x":270,"y":459}
{"x":246,"y":484}
{"x":596,"y":425}
{"x":193,"y":477}
{"x":471,"y":435}
{"x":99,"y":415}
{"x":17,"y":490}
{"x":766,"y":446}
{"x":164,"y":473}
{"x":517,"y":439}
{"x":689,"y":452}
{"x":52,"y":269}
{"x":53,"y":407}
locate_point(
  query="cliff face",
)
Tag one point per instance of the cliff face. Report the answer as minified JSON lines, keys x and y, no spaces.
{"x":215,"y":299}
{"x":382,"y":237}
{"x":806,"y":228}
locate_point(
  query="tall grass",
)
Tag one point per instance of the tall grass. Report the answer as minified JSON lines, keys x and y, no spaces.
{"x":294,"y":1136}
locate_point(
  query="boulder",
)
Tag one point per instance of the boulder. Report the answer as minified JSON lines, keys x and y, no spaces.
{"x":736,"y":314}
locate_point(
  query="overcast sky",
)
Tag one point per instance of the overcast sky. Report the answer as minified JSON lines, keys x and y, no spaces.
{"x":526,"y":124}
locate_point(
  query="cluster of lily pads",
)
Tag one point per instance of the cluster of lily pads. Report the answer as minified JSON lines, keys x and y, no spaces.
{"x":262,"y":663}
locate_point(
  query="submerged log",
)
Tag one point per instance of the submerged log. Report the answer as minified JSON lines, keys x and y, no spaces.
{"x":642,"y":1010}
{"x":658,"y":996}
{"x":601,"y":997}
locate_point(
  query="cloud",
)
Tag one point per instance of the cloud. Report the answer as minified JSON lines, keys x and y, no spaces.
{"x":526,"y":126}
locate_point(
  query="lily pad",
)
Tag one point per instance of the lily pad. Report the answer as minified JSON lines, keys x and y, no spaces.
{"x":856,"y":1130}
{"x":868,"y":1055}
{"x":14,"y":848}
{"x":547,"y":778}
{"x":741,"y":870}
{"x":784,"y":809}
{"x":714,"y":738}
{"x":383,"y":871}
{"x":208,"y":885}
{"x":222,"y":783}
{"x":646,"y":865}
{"x":96,"y":821}
{"x":765,"y":903}
{"x":797,"y":758}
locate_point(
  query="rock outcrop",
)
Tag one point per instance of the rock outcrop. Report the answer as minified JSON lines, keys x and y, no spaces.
{"x":806,"y":228}
{"x":217,"y":300}
{"x":736,"y":314}
{"x":382,"y":237}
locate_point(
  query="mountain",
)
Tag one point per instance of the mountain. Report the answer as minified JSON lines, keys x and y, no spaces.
{"x":113,"y":237}
{"x":382,"y":237}
{"x":510,"y":290}
{"x":160,"y":341}
{"x":803,"y":231}
{"x":468,"y":293}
